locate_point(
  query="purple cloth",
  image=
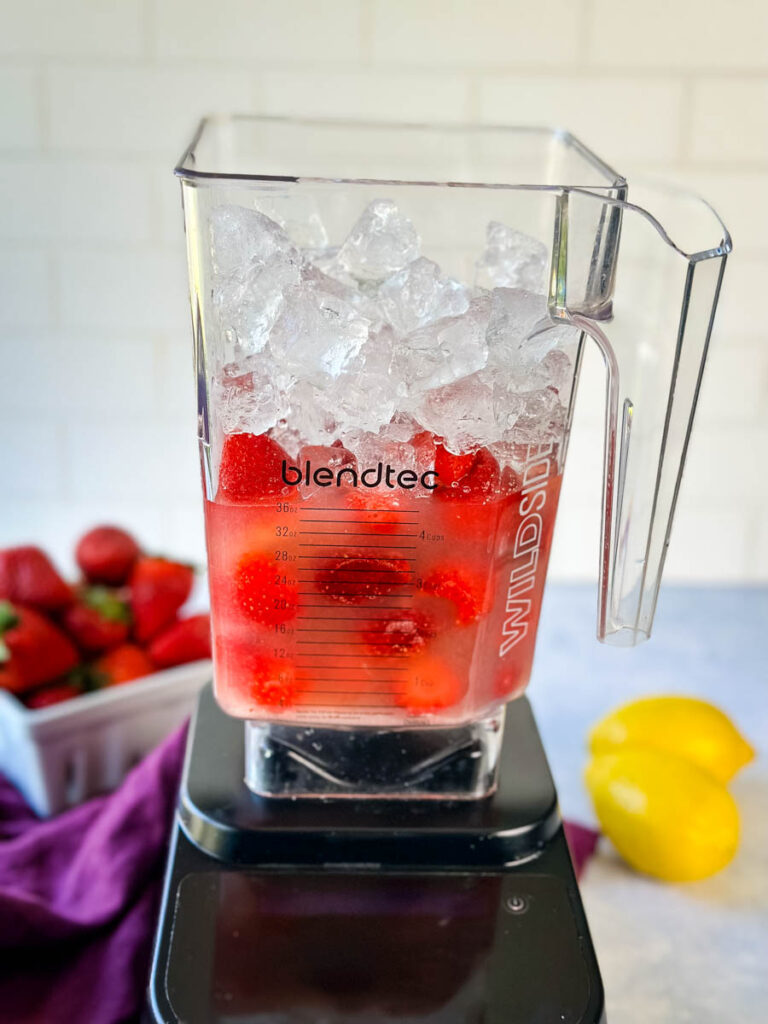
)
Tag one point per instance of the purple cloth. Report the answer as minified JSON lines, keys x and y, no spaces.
{"x":79,"y":895}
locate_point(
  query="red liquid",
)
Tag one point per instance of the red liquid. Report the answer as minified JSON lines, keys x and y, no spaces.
{"x":379,"y":606}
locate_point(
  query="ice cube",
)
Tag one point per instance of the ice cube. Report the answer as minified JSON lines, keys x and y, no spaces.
{"x":382,"y":242}
{"x":254,"y":264}
{"x":462,"y":413}
{"x":557,"y":367}
{"x":317,"y":334}
{"x":541,"y":418}
{"x":298,"y":215}
{"x":512,"y":259}
{"x":419,"y":294}
{"x":337,"y":282}
{"x":247,"y":400}
{"x":305,"y":419}
{"x":445,"y":350}
{"x":372,"y":448}
{"x":364,"y":396}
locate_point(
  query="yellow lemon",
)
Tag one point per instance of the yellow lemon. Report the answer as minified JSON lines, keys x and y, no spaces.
{"x":693,"y":729}
{"x":665,"y":816}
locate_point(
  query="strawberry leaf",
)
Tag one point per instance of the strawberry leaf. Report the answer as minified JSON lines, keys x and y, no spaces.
{"x":8,"y":617}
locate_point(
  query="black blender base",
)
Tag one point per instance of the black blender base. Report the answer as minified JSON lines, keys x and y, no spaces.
{"x":366,"y":912}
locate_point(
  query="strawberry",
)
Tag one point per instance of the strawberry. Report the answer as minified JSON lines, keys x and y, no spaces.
{"x":251,"y":674}
{"x":353,"y":579}
{"x":56,"y":693}
{"x":184,"y":640}
{"x":28,"y":577}
{"x":106,"y":554}
{"x":469,"y":477}
{"x":159,"y":588}
{"x":98,"y":620}
{"x":272,"y":683}
{"x":121,"y":665}
{"x":251,"y":467}
{"x":263,"y":593}
{"x":429,"y":686}
{"x":400,"y":633}
{"x":461,"y":588}
{"x":32,"y":650}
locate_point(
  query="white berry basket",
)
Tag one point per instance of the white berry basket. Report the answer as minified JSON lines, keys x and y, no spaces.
{"x":60,"y":755}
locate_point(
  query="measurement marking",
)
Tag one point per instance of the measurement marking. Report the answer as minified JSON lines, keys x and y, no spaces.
{"x":349,"y":679}
{"x":376,"y":547}
{"x":351,"y":632}
{"x":351,"y":533}
{"x":390,"y":558}
{"x":350,"y":693}
{"x":319,"y":654}
{"x":348,"y":643}
{"x":361,"y":522}
{"x":345,"y":619}
{"x":310,"y":568}
{"x":355,"y":511}
{"x":379,"y":607}
{"x":351,"y":707}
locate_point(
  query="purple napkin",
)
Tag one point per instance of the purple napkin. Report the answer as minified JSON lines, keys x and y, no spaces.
{"x":79,"y":895}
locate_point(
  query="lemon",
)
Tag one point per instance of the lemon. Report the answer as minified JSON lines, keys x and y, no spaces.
{"x":693,"y":729}
{"x":665,"y":816}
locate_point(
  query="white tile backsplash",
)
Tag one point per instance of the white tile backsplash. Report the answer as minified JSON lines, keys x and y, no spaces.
{"x":463,"y":33}
{"x":25,"y":289}
{"x":77,"y":28}
{"x":96,"y":103}
{"x":128,"y":289}
{"x":688,"y":34}
{"x":20,"y":108}
{"x":138,"y":110}
{"x":729,"y":120}
{"x":289,"y":32}
{"x":620,"y":117}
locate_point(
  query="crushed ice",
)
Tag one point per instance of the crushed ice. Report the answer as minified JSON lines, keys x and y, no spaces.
{"x":368,"y":342}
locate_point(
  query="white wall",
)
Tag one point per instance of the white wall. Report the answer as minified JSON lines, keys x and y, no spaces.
{"x":97,"y":99}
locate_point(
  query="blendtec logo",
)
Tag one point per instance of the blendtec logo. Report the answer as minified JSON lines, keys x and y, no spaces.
{"x":380,"y":475}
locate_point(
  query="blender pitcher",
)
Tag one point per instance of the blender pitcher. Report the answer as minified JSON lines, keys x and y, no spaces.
{"x":389,"y":323}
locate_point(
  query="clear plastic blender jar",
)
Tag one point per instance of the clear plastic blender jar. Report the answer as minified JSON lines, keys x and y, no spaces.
{"x":389,"y":323}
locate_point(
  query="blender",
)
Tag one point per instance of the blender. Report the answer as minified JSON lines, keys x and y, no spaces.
{"x":389,"y":322}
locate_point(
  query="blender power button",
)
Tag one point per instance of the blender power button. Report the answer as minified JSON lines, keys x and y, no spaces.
{"x":516,"y":904}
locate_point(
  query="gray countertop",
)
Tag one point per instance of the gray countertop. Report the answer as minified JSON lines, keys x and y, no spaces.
{"x":695,"y":952}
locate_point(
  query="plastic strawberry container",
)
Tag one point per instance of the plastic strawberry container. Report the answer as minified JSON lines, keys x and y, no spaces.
{"x":60,"y":755}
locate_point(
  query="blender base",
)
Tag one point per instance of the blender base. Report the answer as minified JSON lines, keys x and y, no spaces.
{"x":298,"y":911}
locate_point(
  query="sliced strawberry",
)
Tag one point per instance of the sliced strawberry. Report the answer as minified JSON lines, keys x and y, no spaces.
{"x":56,"y":693}
{"x":98,"y":620}
{"x":183,"y":641}
{"x":106,"y":554}
{"x":463,"y":589}
{"x":251,"y":468}
{"x":159,"y":588}
{"x":400,"y":633}
{"x":263,"y":592}
{"x":352,"y":579}
{"x":28,"y":577}
{"x":430,"y":686}
{"x":468,"y":477}
{"x":32,"y":650}
{"x":121,"y":665}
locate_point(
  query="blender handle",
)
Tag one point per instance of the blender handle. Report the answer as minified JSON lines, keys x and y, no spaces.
{"x":651,"y":394}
